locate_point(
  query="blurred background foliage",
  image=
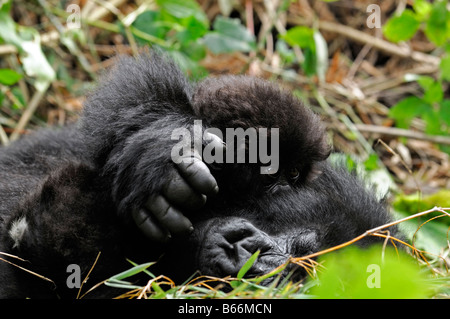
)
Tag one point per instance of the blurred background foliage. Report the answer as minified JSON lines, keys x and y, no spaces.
{"x":377,"y":72}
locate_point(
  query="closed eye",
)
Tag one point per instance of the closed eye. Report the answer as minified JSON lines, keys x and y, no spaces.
{"x":293,"y":173}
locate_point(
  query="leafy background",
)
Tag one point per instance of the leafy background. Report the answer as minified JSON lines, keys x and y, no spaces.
{"x":378,"y":76}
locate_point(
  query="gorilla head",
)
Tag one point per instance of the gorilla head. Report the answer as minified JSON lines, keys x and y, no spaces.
{"x":239,"y":102}
{"x":305,"y":206}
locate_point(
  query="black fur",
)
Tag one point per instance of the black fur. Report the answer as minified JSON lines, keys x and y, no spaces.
{"x":246,"y":102}
{"x":78,"y":188}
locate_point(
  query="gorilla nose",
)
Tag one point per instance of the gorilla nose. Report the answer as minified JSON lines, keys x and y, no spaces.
{"x":230,"y":244}
{"x":241,"y":241}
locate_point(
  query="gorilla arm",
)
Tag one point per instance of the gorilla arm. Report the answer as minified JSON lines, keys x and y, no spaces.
{"x":187,"y":187}
{"x":127,"y":124}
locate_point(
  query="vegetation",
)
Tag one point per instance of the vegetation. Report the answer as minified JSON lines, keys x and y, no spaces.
{"x":378,"y":75}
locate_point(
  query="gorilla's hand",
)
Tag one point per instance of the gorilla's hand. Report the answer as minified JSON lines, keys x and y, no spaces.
{"x":186,"y":189}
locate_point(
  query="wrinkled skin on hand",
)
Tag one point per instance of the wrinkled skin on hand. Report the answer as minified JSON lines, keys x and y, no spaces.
{"x":187,"y":190}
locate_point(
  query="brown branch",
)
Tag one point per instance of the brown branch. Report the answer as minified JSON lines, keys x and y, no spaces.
{"x":371,"y":232}
{"x":393,"y":131}
{"x":362,"y":37}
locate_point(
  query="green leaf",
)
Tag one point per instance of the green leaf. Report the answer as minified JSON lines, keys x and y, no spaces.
{"x":432,"y":237}
{"x":321,"y":55}
{"x":402,"y":27}
{"x":17,"y":92}
{"x":218,"y":43}
{"x":122,"y":285}
{"x":285,"y":52}
{"x":196,"y":50}
{"x":422,"y":9}
{"x":8,"y":27}
{"x":36,"y":65}
{"x":194,"y":29}
{"x":408,"y":108}
{"x":159,"y":292}
{"x":364,"y":274}
{"x":314,"y":47}
{"x":309,"y":66}
{"x":244,"y":269}
{"x":232,"y":28}
{"x":150,"y":23}
{"x":301,"y":36}
{"x":445,"y":67}
{"x":433,"y":121}
{"x":131,"y":272}
{"x":434,"y":93}
{"x":34,"y":61}
{"x":248,"y":264}
{"x":445,"y":111}
{"x":183,"y":9}
{"x":188,"y":64}
{"x":229,"y":35}
{"x":9,"y":77}
{"x":425,"y":82}
{"x":437,"y":27}
{"x":415,"y":203}
{"x":372,"y":162}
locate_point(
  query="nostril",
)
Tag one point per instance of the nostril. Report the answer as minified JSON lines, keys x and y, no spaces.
{"x":241,"y":241}
{"x":236,"y":235}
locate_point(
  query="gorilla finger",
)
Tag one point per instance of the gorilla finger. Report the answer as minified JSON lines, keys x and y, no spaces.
{"x":198,"y":176}
{"x":180,"y":193}
{"x":214,"y":141}
{"x":149,"y":227}
{"x":169,"y":217}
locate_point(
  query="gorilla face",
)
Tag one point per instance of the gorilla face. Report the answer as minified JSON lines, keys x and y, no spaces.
{"x":225,"y":244}
{"x":296,"y":221}
{"x":305,"y":206}
{"x":240,"y":102}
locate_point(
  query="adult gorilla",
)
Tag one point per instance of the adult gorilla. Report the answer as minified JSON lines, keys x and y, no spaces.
{"x":66,"y":194}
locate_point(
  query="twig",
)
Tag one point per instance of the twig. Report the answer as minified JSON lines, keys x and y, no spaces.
{"x":434,"y":209}
{"x":3,"y":137}
{"x":98,"y":12}
{"x":87,"y":276}
{"x":371,"y":232}
{"x":113,"y":9}
{"x":359,"y":59}
{"x":393,"y":131}
{"x":365,"y":38}
{"x":7,"y":49}
{"x":26,"y":116}
{"x":24,"y":269}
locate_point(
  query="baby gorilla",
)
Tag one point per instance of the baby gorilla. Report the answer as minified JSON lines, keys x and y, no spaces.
{"x":67,"y":194}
